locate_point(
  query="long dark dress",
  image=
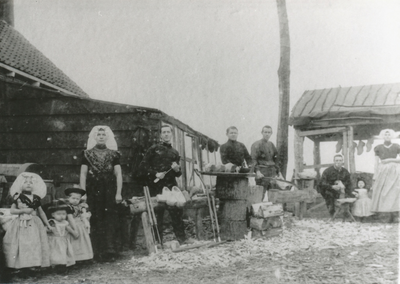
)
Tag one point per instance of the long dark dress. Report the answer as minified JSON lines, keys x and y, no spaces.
{"x":101,"y":188}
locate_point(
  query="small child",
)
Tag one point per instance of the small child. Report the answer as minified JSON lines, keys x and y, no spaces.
{"x":61,"y":251}
{"x":82,"y":245}
{"x":25,"y":243}
{"x":362,"y":206}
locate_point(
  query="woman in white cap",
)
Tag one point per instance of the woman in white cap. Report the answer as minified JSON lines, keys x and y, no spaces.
{"x":101,"y":177}
{"x":386,"y":188}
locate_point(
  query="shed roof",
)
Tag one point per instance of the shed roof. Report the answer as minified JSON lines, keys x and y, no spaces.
{"x":368,"y":102}
{"x":17,"y":52}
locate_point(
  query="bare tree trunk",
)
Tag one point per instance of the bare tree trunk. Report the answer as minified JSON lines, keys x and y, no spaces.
{"x":284,"y":87}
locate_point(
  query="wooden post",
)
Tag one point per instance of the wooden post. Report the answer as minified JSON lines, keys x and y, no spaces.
{"x":317,"y":157}
{"x":147,"y":233}
{"x":345,"y":150}
{"x":284,"y":86}
{"x":352,"y":160}
{"x":298,"y":152}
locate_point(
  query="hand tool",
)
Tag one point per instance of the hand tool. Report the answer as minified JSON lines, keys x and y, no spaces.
{"x":157,"y":179}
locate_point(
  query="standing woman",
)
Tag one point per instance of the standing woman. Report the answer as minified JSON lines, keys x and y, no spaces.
{"x":386,"y":188}
{"x":101,"y":177}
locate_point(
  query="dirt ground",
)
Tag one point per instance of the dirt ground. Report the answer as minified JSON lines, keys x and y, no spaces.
{"x":372,"y":262}
{"x":375,"y":262}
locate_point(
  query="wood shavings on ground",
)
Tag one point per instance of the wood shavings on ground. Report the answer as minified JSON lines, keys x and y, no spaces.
{"x":304,"y":235}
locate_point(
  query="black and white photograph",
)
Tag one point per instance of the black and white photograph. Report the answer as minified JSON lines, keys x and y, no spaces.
{"x":199,"y":141}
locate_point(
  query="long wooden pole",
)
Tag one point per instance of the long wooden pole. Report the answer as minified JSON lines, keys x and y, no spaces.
{"x":284,"y":87}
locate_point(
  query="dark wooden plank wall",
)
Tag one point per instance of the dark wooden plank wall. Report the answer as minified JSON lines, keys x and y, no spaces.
{"x":44,"y":127}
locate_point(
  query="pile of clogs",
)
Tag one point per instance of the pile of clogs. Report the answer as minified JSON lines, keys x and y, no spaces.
{"x":173,"y":197}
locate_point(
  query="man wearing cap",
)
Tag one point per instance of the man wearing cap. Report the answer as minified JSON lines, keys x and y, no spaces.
{"x":264,"y":158}
{"x":333,"y":180}
{"x":233,"y":151}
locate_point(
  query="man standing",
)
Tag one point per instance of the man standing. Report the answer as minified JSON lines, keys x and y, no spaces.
{"x":333,"y":180}
{"x":233,"y":151}
{"x":161,"y":161}
{"x":265,"y":157}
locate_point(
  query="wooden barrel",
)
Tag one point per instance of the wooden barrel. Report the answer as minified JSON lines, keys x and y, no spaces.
{"x":235,"y":210}
{"x":232,"y":188}
{"x":232,"y":230}
{"x":238,"y":189}
{"x":236,"y":197}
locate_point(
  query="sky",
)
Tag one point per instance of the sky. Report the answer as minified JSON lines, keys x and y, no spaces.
{"x":213,"y":63}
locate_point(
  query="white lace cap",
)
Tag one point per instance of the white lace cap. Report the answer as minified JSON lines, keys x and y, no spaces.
{"x":39,"y":187}
{"x":110,"y":143}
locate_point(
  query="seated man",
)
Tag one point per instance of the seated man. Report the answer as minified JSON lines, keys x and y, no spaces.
{"x":265,"y":158}
{"x":233,"y":151}
{"x":332,"y":181}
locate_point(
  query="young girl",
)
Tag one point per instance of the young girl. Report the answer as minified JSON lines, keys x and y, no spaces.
{"x":82,"y":245}
{"x":362,"y":206}
{"x":25,"y":243}
{"x":61,"y":252}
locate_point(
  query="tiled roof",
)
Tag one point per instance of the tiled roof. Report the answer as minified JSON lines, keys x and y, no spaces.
{"x":17,"y":52}
{"x":342,"y":103}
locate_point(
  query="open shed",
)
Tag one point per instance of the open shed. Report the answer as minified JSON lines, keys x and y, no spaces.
{"x":345,"y":115}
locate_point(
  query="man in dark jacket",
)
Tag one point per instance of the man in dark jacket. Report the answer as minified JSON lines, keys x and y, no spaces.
{"x":265,"y":158}
{"x":233,"y":151}
{"x":332,"y":180}
{"x":161,"y":162}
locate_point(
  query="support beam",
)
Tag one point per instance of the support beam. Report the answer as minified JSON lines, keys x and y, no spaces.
{"x":322,"y":131}
{"x":298,"y":151}
{"x":317,"y":157}
{"x":352,"y":159}
{"x":345,"y":149}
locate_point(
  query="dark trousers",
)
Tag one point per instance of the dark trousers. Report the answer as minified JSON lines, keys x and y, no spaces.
{"x":330,"y":204}
{"x":330,"y":198}
{"x":176,"y":215}
{"x":176,"y":222}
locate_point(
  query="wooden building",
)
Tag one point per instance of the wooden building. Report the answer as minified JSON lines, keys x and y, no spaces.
{"x":45,"y":118}
{"x":349,"y":116}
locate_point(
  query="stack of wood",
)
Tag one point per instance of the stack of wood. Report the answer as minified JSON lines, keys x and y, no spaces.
{"x":267,"y":220}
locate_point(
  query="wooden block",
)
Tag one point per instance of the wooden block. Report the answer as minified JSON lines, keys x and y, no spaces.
{"x":258,"y":223}
{"x":269,"y":211}
{"x":255,"y":207}
{"x":274,"y":222}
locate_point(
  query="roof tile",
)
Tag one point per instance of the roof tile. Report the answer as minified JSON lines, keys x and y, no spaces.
{"x":17,"y":52}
